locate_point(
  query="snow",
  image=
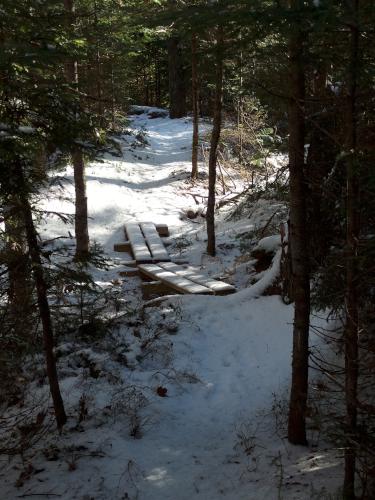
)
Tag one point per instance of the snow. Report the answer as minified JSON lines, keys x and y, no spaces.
{"x":266,"y":280}
{"x":269,"y":243}
{"x":224,"y":362}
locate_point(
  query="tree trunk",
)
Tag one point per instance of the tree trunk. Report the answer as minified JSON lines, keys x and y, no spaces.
{"x":157,"y":76}
{"x":17,"y":261}
{"x":113,"y":99}
{"x":81,"y":220}
{"x":43,"y":305}
{"x":240,"y":105}
{"x":352,"y":282}
{"x":99,"y":91}
{"x":194,"y":95}
{"x":177,"y":86}
{"x":298,"y":237}
{"x":81,"y":215}
{"x":215,"y":137}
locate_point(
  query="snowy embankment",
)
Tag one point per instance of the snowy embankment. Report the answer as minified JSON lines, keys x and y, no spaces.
{"x":204,"y":378}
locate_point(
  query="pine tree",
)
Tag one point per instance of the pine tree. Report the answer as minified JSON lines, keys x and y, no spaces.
{"x":195,"y":102}
{"x":298,"y":237}
{"x":81,"y":217}
{"x":215,"y":137}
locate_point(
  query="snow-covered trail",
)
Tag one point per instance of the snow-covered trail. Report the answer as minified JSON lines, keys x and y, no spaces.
{"x":230,"y":356}
{"x":232,"y":347}
{"x":139,"y":186}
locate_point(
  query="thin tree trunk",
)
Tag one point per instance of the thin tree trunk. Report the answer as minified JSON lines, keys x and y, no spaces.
{"x":43,"y":305}
{"x":177,"y":86}
{"x":240,"y":107}
{"x":99,"y":91}
{"x":298,"y":238}
{"x":81,"y":216}
{"x":352,"y":284}
{"x":18,"y":270}
{"x":194,"y":91}
{"x":157,"y":76}
{"x":113,"y":98}
{"x":215,"y":137}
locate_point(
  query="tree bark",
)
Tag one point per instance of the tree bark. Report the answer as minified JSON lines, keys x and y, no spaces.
{"x":177,"y":85}
{"x":99,"y":90}
{"x":352,"y":281}
{"x":194,"y":95}
{"x":215,"y":137}
{"x":81,"y":216}
{"x":43,"y":305}
{"x":298,"y":237}
{"x":17,"y":261}
{"x":113,"y":99}
{"x":157,"y":76}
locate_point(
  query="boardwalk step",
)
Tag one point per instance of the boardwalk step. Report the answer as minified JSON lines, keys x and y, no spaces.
{"x":145,"y":242}
{"x":174,"y":281}
{"x":154,"y":242}
{"x":218,"y":287}
{"x":140,"y":250}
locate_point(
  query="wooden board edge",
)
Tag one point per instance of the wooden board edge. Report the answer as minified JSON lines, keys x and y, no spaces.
{"x":122,"y":247}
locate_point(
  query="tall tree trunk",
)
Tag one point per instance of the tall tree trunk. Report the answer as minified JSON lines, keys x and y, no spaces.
{"x":195,"y":100}
{"x":146,"y":98}
{"x":113,"y":98}
{"x":17,"y":261}
{"x":43,"y":305}
{"x":298,"y":237}
{"x":352,"y":282}
{"x":81,"y":216}
{"x":177,"y":85}
{"x":157,"y":76}
{"x":99,"y":90}
{"x":240,"y":104}
{"x":215,"y":137}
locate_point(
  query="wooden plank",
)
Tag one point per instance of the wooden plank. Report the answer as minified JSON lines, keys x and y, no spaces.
{"x":152,"y":289}
{"x":218,"y":287}
{"x":140,"y":251}
{"x":122,"y":247}
{"x":129,"y":263}
{"x":129,"y":273}
{"x":176,"y":282}
{"x":162,"y":229}
{"x":154,"y":242}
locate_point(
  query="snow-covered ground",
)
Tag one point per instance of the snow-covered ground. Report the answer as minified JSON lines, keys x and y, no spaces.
{"x":188,"y":400}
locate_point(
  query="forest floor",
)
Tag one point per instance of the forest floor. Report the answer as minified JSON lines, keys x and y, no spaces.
{"x":183,"y":401}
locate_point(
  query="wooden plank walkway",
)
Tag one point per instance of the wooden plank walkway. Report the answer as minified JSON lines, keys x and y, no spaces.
{"x":140,"y":250}
{"x":154,"y":242}
{"x":184,"y":280}
{"x":144,"y":242}
{"x":152,"y":260}
{"x":217,"y":287}
{"x":178,"y":283}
